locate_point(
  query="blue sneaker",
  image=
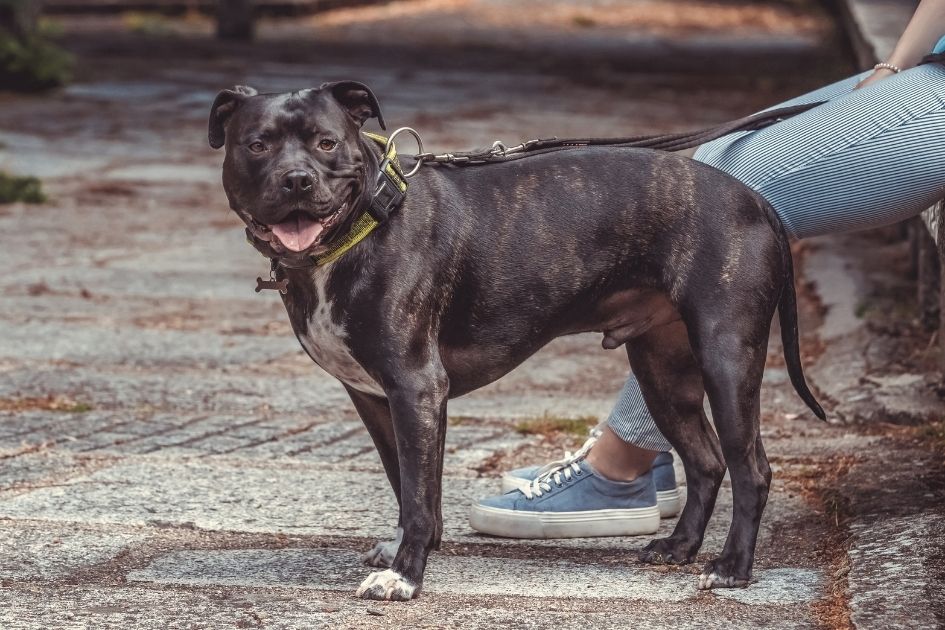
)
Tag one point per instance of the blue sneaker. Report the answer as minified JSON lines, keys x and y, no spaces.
{"x":571,"y":502}
{"x":667,"y":493}
{"x":664,"y":476}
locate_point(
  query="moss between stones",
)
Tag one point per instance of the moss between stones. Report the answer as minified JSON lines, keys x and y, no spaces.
{"x":32,"y":63}
{"x":548,"y":425}
{"x":26,"y":189}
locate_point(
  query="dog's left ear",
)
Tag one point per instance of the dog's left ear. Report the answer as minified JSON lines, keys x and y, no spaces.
{"x":223,"y":107}
{"x":358,"y":100}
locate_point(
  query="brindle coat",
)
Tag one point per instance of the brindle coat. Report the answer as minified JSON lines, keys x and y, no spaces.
{"x":482,"y":266}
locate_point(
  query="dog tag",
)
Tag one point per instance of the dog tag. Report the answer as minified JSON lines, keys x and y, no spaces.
{"x":282,"y":286}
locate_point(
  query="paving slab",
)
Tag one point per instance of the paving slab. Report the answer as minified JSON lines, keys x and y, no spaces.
{"x":92,"y":345}
{"x":30,"y":470}
{"x":182,"y":393}
{"x":289,"y":497}
{"x":219,"y":497}
{"x":139,"y":608}
{"x":55,"y":551}
{"x":887,"y":591}
{"x":339,"y":569}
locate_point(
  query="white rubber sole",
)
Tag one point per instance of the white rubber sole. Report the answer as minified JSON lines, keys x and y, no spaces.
{"x":588,"y":524}
{"x":668,"y":501}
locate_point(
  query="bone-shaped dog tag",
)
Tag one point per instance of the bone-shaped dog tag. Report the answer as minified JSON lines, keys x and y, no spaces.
{"x":282,"y":286}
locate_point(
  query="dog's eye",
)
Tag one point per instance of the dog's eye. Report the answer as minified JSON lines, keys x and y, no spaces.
{"x":257,"y":147}
{"x":327,"y":145}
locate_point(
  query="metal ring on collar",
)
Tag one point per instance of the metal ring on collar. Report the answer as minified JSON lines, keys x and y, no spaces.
{"x":416,"y":136}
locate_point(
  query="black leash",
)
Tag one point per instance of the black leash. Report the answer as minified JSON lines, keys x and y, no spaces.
{"x":662,"y":142}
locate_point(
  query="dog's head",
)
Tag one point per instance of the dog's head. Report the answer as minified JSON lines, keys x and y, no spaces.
{"x":295,"y":167}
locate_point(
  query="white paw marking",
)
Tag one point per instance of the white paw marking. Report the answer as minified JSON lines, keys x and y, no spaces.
{"x":714,"y":580}
{"x":387,"y":584}
{"x":382,"y":554}
{"x":325,"y":340}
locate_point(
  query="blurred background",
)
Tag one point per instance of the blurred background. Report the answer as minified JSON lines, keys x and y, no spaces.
{"x":162,"y":435}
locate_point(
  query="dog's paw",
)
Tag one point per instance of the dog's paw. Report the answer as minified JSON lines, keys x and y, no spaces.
{"x":716,"y":575}
{"x":382,"y":554}
{"x":388,"y":585}
{"x":667,"y":551}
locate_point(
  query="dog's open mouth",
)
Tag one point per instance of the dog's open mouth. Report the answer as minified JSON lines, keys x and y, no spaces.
{"x":300,"y":231}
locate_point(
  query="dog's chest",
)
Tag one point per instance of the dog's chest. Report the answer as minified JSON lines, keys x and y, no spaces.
{"x":325,"y":340}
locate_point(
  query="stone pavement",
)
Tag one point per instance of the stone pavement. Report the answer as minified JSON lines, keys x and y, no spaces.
{"x":169,"y":458}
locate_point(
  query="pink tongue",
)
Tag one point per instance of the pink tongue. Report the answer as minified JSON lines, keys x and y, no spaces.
{"x":298,"y":232}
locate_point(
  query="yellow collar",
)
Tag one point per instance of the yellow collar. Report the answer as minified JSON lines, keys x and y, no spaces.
{"x":366,"y":223}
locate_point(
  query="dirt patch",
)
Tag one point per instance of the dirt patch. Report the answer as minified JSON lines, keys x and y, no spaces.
{"x":817,"y":480}
{"x":676,"y":16}
{"x":62,"y":404}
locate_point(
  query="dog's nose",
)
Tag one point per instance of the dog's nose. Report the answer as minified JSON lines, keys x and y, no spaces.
{"x":295,"y":182}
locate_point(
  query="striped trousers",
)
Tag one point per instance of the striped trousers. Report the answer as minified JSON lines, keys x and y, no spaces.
{"x":865,"y":158}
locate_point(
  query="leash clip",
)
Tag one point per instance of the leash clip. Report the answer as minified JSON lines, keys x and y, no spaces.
{"x":416,"y":136}
{"x":387,"y":194}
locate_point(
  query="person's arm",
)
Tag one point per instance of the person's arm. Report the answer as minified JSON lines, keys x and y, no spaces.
{"x":923,"y":32}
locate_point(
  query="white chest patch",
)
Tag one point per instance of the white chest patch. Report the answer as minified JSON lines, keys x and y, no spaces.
{"x":326,"y":342}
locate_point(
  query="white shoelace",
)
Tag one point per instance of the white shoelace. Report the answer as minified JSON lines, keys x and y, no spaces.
{"x":559,"y":476}
{"x":552,"y":471}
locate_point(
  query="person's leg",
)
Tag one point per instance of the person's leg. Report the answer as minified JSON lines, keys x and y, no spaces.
{"x":617,"y":459}
{"x":867,"y":158}
{"x":632,"y":423}
{"x":714,"y":151}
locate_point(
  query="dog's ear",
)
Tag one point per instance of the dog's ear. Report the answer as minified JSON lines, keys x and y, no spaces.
{"x":357,"y":99}
{"x":223,"y":107}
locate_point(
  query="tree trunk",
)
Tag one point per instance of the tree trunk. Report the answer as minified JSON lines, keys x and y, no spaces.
{"x":235,"y":19}
{"x":929,"y":276}
{"x":20,"y":17}
{"x":940,"y":229}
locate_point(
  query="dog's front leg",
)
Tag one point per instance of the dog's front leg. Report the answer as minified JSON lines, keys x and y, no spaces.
{"x":417,"y":401}
{"x":375,"y":413}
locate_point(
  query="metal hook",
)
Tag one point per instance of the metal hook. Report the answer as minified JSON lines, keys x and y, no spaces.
{"x":416,"y":136}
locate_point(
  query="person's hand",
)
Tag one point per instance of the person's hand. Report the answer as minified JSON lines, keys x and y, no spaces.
{"x":877,"y":75}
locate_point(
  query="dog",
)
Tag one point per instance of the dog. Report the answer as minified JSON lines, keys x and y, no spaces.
{"x":482,"y":266}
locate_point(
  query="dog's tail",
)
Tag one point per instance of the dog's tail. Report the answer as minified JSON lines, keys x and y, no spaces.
{"x":787,"y":315}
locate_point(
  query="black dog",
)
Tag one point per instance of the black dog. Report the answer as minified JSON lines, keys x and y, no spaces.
{"x":480,"y":267}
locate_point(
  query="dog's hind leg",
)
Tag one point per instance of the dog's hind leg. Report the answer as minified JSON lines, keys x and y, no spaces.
{"x":671,"y":381}
{"x":733,"y":357}
{"x":375,"y":413}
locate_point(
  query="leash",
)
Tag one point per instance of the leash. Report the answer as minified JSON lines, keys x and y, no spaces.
{"x":499,"y":152}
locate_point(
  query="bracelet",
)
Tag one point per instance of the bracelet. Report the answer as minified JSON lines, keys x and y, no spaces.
{"x":887,"y":66}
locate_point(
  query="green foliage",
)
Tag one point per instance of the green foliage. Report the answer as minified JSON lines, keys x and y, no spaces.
{"x":147,"y":23}
{"x":548,"y":425}
{"x":934,"y":435}
{"x":32,"y":63}
{"x":79,"y":407}
{"x":26,"y":189}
